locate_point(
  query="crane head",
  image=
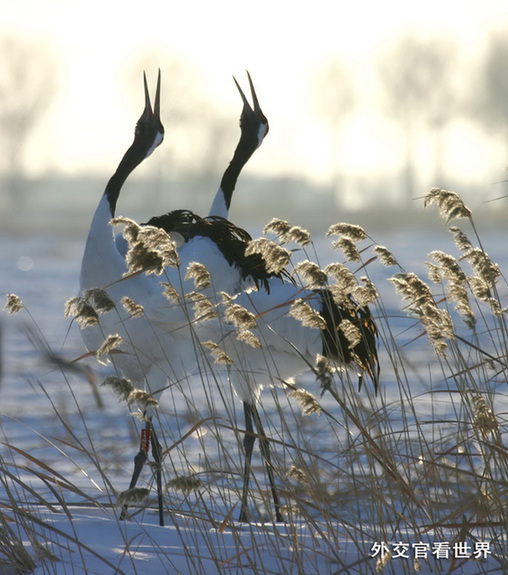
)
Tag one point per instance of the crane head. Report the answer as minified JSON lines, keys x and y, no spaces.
{"x":149,"y":129}
{"x":253,"y":122}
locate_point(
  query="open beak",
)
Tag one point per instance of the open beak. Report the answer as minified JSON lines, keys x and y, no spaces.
{"x":157,"y":103}
{"x":246,"y":103}
{"x":148,"y":105}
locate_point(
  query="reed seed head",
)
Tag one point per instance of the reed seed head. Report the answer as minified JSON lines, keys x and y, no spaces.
{"x":247,"y":337}
{"x":142,"y":398}
{"x":132,"y":308}
{"x":449,"y":203}
{"x":239,"y":316}
{"x":221,"y":357}
{"x":305,"y":313}
{"x":184,"y":484}
{"x":307,"y":402}
{"x":277,"y":226}
{"x":170,"y":293}
{"x":313,"y":276}
{"x":110,"y":344}
{"x":14,"y":304}
{"x":483,"y":265}
{"x":348,"y":248}
{"x":344,"y":277}
{"x":276,"y":257}
{"x":87,"y":307}
{"x":461,"y":240}
{"x":449,"y":266}
{"x":484,"y":420}
{"x":199,"y":274}
{"x":150,"y":248}
{"x":385,"y":256}
{"x":99,"y":299}
{"x":135,"y":496}
{"x":82,"y":311}
{"x":298,"y":475}
{"x":437,"y":323}
{"x":120,"y":386}
{"x":287,"y":233}
{"x":351,"y":332}
{"x":351,"y":231}
{"x":324,"y":373}
{"x":366,"y":294}
{"x":204,"y":310}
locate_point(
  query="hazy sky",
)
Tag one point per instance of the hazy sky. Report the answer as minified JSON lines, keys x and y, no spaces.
{"x":281,"y":43}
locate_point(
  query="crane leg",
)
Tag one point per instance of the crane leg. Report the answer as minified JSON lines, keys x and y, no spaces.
{"x":252,"y":414}
{"x":148,"y":436}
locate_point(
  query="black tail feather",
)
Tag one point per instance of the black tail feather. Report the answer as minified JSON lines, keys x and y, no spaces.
{"x":336,"y":345}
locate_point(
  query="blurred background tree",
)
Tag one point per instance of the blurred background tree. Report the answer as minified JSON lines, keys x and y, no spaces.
{"x":28,"y":82}
{"x":333,"y":100}
{"x":419,"y":90}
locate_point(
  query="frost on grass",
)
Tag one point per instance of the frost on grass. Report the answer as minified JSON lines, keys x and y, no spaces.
{"x":14,"y":304}
{"x":449,"y":203}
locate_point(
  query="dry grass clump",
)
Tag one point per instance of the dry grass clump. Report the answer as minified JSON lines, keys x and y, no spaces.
{"x":423,"y":461}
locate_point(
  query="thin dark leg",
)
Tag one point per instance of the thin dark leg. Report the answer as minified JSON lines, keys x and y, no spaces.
{"x":265,"y":452}
{"x":251,"y":413}
{"x":248,"y":443}
{"x":157,"y":453}
{"x":140,"y":459}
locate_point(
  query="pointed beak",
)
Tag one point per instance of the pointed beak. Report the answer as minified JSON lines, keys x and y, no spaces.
{"x":257,"y":108}
{"x":157,"y":103}
{"x":246,"y":104}
{"x":148,"y":105}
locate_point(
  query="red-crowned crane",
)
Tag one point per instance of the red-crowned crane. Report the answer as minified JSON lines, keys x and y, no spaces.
{"x":291,"y":326}
{"x":156,"y":346}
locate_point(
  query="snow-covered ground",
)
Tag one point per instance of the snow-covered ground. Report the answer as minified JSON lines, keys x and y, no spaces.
{"x":74,"y":448}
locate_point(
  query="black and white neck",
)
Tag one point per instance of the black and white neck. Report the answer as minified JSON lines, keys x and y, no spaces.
{"x":254,"y":127}
{"x":148,"y":134}
{"x":101,"y":262}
